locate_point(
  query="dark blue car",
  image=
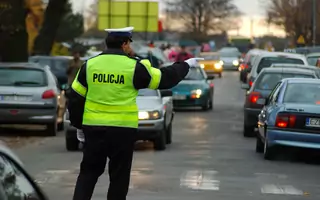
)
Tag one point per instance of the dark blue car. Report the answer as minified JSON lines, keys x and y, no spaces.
{"x":290,"y":116}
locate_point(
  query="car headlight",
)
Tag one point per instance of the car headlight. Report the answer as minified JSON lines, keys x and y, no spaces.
{"x":217,"y":66}
{"x":144,"y":115}
{"x":202,"y":65}
{"x":235,"y":62}
{"x":221,"y":62}
{"x":195,"y":94}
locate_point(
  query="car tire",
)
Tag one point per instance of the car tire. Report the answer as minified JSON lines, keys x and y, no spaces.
{"x":207,"y":105}
{"x":51,"y":129}
{"x":72,"y":144}
{"x":160,"y":142}
{"x":259,"y":145}
{"x":169,"y":134}
{"x":268,"y":152}
{"x":248,"y":131}
{"x":60,"y":126}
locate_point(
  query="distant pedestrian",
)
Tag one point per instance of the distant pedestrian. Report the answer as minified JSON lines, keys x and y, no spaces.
{"x":183,"y":55}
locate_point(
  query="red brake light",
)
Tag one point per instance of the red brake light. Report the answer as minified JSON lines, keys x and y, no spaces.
{"x":250,"y":83}
{"x":253,"y":97}
{"x":211,"y":85}
{"x":242,"y":66}
{"x":246,"y":66}
{"x":49,"y":94}
{"x":285,"y":120}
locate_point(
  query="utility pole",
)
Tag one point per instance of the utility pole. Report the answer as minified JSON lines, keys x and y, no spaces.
{"x":251,"y":28}
{"x":314,"y":21}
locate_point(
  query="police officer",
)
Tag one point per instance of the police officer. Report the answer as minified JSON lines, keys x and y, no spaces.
{"x":103,"y":105}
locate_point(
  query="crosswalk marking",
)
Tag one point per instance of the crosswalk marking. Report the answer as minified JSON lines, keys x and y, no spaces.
{"x":280,"y":189}
{"x":200,"y":180}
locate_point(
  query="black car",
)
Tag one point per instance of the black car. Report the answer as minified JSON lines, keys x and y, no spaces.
{"x":57,"y":64}
{"x":261,"y":88}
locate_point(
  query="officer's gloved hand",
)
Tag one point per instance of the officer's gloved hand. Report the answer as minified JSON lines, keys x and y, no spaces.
{"x":192,"y":62}
{"x":80,"y":135}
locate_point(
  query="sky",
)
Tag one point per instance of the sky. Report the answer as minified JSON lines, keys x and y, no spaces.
{"x":253,"y":11}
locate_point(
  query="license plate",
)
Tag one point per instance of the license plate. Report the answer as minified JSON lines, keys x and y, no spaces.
{"x":313,"y":122}
{"x":15,"y":98}
{"x":179,"y":97}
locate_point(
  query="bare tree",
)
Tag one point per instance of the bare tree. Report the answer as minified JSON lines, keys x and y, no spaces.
{"x":202,"y":16}
{"x":91,"y":16}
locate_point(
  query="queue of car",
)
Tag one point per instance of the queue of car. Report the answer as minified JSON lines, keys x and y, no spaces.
{"x":282,"y":101}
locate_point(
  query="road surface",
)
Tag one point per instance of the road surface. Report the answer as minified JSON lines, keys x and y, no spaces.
{"x":208,"y":159}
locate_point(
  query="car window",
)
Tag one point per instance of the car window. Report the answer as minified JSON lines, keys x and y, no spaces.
{"x":14,"y":183}
{"x":24,"y":77}
{"x":312,"y":60}
{"x":56,"y":65}
{"x":268,"y":81}
{"x":275,"y":89}
{"x":268,"y":61}
{"x":195,"y":73}
{"x":147,"y":92}
{"x":211,"y":57}
{"x":305,"y":93}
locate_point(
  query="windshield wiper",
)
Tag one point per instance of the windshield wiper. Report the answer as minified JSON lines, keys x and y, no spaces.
{"x":18,"y":83}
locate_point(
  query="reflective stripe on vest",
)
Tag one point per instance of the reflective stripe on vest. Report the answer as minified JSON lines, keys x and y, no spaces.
{"x":154,"y":73}
{"x":111,"y":96}
{"x":78,"y":87}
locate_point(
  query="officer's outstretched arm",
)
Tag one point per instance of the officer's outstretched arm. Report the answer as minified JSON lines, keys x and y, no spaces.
{"x":77,"y":97}
{"x":147,"y":76}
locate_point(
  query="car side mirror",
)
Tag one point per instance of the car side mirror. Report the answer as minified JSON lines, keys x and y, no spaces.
{"x":261,"y":101}
{"x":245,"y":86}
{"x":166,"y":93}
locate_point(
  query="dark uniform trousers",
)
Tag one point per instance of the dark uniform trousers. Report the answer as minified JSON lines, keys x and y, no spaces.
{"x":115,"y":143}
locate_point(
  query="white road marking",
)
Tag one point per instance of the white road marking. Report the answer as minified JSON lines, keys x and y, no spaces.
{"x":200,"y":180}
{"x":280,"y":189}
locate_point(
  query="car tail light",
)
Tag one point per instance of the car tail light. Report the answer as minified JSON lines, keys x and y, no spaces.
{"x":246,"y":66}
{"x":253,"y":97}
{"x":49,"y":94}
{"x":211,"y":85}
{"x":242,"y":66}
{"x":284,"y":120}
{"x":250,"y":83}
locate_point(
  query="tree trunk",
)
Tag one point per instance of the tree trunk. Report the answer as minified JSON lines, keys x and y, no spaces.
{"x":13,"y":34}
{"x":54,"y":13}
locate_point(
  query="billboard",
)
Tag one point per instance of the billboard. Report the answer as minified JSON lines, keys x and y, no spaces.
{"x":142,"y":15}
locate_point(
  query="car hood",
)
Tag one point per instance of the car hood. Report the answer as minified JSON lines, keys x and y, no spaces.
{"x":149,"y":103}
{"x":228,"y":59}
{"x":187,"y":85}
{"x":306,"y":108}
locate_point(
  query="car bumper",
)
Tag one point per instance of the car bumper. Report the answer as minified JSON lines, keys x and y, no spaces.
{"x":189,"y":102}
{"x":251,"y":116}
{"x":293,"y":139}
{"x":150,"y":129}
{"x":230,"y":66}
{"x":28,"y":116}
{"x":147,"y":129}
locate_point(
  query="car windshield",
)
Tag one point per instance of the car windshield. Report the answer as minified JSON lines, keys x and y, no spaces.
{"x":312,"y":60}
{"x":268,"y":81}
{"x":148,"y":92}
{"x":268,"y":61}
{"x":195,"y":73}
{"x":22,"y":77}
{"x":229,"y":54}
{"x":210,"y":57}
{"x":56,"y":65}
{"x":305,"y":93}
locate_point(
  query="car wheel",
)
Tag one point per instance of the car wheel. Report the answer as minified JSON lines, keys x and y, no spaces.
{"x":160,"y":142}
{"x":207,"y":105}
{"x":259,"y":145}
{"x":169,"y":134}
{"x":248,"y":131}
{"x":51,"y":129}
{"x":60,"y":126}
{"x":268,"y":152}
{"x":72,"y":144}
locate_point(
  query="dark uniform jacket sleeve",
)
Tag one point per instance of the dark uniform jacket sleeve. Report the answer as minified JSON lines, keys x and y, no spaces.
{"x":77,"y":97}
{"x":169,"y":76}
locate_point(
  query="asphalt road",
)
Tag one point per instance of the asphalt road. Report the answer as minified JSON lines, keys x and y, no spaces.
{"x":208,"y":159}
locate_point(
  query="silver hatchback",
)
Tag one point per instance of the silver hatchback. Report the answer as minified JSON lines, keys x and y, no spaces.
{"x":29,"y":94}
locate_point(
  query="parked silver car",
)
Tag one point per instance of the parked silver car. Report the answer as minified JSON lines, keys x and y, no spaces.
{"x":155,"y":120}
{"x":29,"y":94}
{"x":16,"y":182}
